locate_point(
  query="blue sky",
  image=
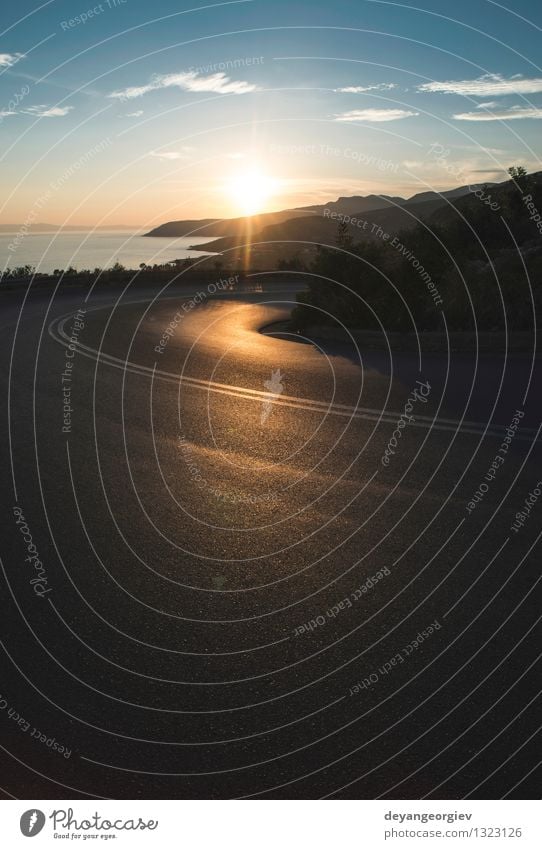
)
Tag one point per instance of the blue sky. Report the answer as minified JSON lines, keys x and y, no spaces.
{"x":132,"y":112}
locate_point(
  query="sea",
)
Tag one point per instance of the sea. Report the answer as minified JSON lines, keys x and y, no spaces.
{"x":89,"y":250}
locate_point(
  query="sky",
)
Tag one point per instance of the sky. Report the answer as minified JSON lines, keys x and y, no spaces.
{"x":135,"y":113}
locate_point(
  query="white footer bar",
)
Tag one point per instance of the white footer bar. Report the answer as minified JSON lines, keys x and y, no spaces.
{"x":273,"y":824}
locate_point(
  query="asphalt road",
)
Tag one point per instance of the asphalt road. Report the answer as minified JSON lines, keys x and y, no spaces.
{"x":236,"y":595}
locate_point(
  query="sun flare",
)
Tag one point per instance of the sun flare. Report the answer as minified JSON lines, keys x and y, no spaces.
{"x":250,"y":191}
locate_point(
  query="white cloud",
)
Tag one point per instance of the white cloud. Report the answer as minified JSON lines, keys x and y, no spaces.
{"x":9,"y":59}
{"x":475,"y":148}
{"x":413,"y":164}
{"x":172,"y":154}
{"x":43,"y":111}
{"x":513,"y":114}
{"x":375,"y":115}
{"x":56,"y":112}
{"x":132,"y":91}
{"x":5,"y":112}
{"x":490,"y":104}
{"x":187,"y":81}
{"x":357,"y":89}
{"x":492,"y":85}
{"x":136,"y":114}
{"x":166,"y":154}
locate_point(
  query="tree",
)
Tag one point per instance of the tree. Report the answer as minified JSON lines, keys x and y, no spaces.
{"x":343,"y":238}
{"x":519,"y":176}
{"x":294,"y":263}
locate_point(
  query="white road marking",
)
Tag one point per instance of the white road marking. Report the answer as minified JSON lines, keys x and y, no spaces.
{"x":57,"y":332}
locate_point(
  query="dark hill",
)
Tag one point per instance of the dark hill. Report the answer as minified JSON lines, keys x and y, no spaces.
{"x":322,"y":228}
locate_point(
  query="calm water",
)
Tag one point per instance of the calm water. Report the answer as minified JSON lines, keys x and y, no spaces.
{"x":81,"y":249}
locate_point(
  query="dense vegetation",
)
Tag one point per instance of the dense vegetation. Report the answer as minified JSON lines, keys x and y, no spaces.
{"x":117,"y":273}
{"x":473,"y":261}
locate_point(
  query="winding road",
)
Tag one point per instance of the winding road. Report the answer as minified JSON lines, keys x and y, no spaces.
{"x":239,"y":596}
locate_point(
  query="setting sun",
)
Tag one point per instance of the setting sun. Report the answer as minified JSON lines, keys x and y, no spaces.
{"x":249,"y":191}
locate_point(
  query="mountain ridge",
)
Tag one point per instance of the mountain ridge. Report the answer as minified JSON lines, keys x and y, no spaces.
{"x":319,"y":227}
